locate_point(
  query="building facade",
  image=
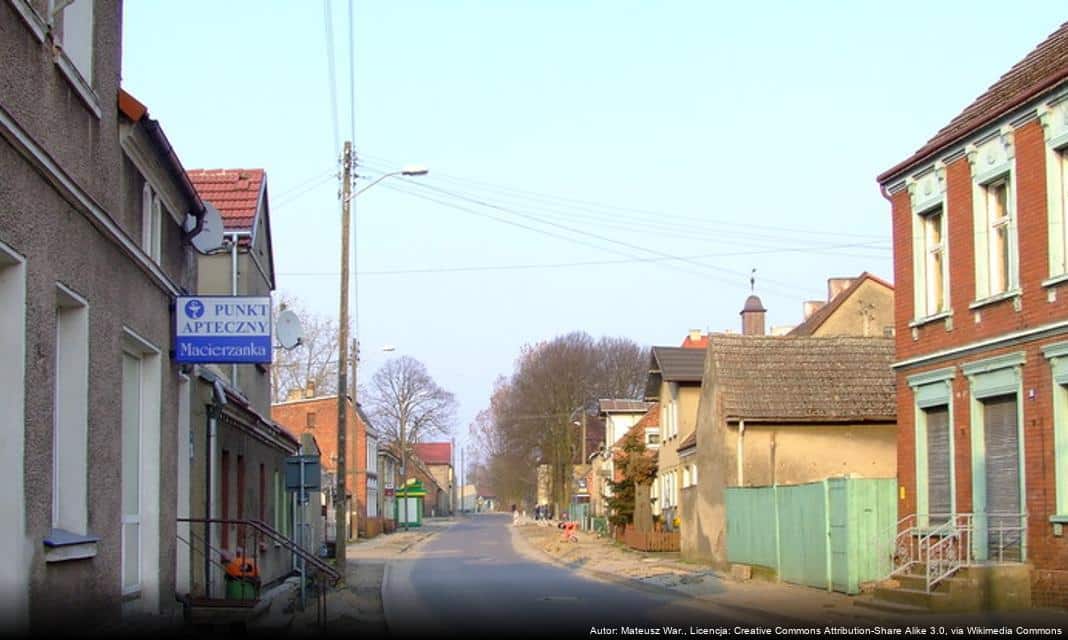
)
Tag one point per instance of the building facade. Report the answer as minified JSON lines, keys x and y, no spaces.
{"x":92,"y":254}
{"x":981,"y":262}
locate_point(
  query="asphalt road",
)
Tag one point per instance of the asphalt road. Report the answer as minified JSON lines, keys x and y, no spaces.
{"x":470,"y":580}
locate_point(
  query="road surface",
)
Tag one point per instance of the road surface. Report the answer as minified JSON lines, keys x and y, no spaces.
{"x":470,"y":579}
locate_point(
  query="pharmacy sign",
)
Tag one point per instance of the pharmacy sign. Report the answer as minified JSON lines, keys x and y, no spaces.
{"x":223,"y":329}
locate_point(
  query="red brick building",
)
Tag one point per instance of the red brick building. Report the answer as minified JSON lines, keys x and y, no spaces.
{"x":318,"y":415}
{"x":980,"y":216}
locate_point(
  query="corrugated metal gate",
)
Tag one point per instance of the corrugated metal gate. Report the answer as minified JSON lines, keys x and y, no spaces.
{"x":818,"y":534}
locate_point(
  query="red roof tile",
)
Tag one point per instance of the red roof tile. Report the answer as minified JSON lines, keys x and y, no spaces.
{"x":700,"y":343}
{"x":234,"y":192}
{"x":434,"y":452}
{"x":1042,"y":69}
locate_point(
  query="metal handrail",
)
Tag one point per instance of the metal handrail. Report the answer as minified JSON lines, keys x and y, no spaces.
{"x":278,"y":537}
{"x":946,"y":547}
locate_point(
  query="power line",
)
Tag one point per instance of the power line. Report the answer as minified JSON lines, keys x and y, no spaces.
{"x":555,"y":265}
{"x":568,"y":238}
{"x":592,"y":206}
{"x":590,"y":234}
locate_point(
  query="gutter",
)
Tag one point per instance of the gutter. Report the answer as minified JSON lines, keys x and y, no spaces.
{"x":155,"y":131}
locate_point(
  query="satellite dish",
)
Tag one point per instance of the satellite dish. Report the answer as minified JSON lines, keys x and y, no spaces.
{"x":210,"y":237}
{"x":287,"y":328}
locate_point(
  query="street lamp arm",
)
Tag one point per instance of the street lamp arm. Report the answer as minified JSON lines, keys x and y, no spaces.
{"x":407,"y":171}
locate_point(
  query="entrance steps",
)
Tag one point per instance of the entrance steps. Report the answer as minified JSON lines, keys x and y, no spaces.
{"x":988,"y":587}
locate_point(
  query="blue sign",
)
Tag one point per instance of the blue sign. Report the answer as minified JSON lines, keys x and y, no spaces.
{"x":223,"y":330}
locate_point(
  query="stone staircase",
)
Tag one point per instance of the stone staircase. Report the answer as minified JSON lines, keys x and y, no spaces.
{"x":989,"y":587}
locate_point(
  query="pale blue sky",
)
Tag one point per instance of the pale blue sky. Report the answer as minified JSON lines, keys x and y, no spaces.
{"x":718,"y":116}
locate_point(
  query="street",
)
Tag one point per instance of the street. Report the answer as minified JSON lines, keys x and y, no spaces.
{"x":470,"y":578}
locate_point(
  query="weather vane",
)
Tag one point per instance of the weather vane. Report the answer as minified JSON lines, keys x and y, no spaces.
{"x":752,"y":280}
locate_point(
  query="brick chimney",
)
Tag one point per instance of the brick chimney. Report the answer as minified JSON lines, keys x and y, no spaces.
{"x":294,"y":394}
{"x":695,"y":335}
{"x":811,"y":306}
{"x":309,"y":390}
{"x":837,"y":285}
{"x":753,"y":317}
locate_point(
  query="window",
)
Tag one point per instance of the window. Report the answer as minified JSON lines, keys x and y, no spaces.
{"x":131,"y":473}
{"x":999,"y":235}
{"x":70,"y":445}
{"x":372,"y":454}
{"x":15,"y":573}
{"x":994,"y":217}
{"x":652,"y":437}
{"x":1057,"y":205}
{"x":75,"y":35}
{"x":151,"y":222}
{"x":263,"y":494}
{"x":1058,"y":357}
{"x":931,"y":277}
{"x":311,"y":420}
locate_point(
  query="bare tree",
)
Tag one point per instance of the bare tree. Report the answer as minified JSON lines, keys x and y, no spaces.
{"x":313,"y":362}
{"x":402,"y":392}
{"x":532,"y":414}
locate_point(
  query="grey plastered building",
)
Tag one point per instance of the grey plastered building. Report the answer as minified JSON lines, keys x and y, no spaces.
{"x":92,"y":254}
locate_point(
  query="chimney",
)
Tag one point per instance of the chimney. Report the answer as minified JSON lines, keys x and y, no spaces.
{"x":812,"y":306}
{"x":753,"y":317}
{"x":294,"y":394}
{"x":695,"y":335}
{"x":309,"y":391}
{"x":837,"y":285}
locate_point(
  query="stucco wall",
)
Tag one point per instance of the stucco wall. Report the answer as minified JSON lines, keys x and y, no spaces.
{"x":867,"y":312}
{"x":792,"y":454}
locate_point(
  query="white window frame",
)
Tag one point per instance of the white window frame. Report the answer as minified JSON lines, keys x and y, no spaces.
{"x":149,"y":425}
{"x":1057,"y":207}
{"x":151,"y":222}
{"x":70,"y":445}
{"x":992,"y":165}
{"x":1001,"y":269}
{"x":15,"y":545}
{"x":925,"y":300}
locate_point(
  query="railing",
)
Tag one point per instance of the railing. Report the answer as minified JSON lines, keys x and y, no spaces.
{"x":944,"y":543}
{"x":259,"y":532}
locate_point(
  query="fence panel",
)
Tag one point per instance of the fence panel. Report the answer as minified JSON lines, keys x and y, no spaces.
{"x":650,"y":540}
{"x":751,"y":527}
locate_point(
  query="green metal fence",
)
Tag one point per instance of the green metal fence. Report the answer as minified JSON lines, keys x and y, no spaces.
{"x":817,"y":534}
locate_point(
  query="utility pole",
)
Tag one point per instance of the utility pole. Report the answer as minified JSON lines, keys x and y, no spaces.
{"x":340,"y":503}
{"x":404,"y":474}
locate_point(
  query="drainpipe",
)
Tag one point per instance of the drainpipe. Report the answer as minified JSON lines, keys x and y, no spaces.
{"x":741,"y":453}
{"x":209,"y":482}
{"x":233,"y":292}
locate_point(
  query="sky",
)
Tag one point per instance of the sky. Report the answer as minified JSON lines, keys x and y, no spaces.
{"x":614,"y":167}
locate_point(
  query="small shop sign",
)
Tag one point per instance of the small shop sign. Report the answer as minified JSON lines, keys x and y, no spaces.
{"x":223,"y":330}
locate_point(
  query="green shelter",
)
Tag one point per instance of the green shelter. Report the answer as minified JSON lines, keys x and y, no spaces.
{"x":409,"y":504}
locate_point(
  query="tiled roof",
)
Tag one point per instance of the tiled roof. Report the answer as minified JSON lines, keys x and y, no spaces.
{"x":689,"y":441}
{"x":839,"y":379}
{"x":808,"y":327}
{"x":234,"y":192}
{"x":434,"y":452}
{"x":1042,"y":69}
{"x":613,"y":405}
{"x":678,"y":364}
{"x":674,"y":364}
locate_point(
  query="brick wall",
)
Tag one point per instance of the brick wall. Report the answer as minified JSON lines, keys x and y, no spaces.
{"x":1047,"y":553}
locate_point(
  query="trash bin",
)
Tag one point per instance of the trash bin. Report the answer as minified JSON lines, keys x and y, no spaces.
{"x":242,"y":578}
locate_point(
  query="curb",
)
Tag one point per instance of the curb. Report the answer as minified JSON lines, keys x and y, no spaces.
{"x":387,"y":570}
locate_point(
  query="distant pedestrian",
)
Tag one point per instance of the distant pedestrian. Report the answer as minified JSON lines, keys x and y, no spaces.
{"x":515,"y":515}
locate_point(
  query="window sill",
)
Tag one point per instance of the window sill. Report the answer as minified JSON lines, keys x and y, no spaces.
{"x":1001,"y":297}
{"x":61,"y":545}
{"x":1059,"y":519}
{"x":1053,"y":281}
{"x":81,"y":87}
{"x":919,"y":322}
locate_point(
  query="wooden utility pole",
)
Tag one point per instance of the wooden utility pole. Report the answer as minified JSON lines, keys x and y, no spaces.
{"x":341,"y":508}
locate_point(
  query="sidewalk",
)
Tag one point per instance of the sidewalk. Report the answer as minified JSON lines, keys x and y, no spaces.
{"x":356,"y":605}
{"x":755,"y":600}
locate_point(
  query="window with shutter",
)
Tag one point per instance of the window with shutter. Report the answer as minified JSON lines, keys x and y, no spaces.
{"x":939,"y":497}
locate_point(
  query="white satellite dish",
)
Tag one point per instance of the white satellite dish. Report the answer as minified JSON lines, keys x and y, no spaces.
{"x":210,"y":237}
{"x":288,"y":329}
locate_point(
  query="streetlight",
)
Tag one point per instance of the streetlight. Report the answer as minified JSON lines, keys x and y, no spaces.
{"x":340,"y":504}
